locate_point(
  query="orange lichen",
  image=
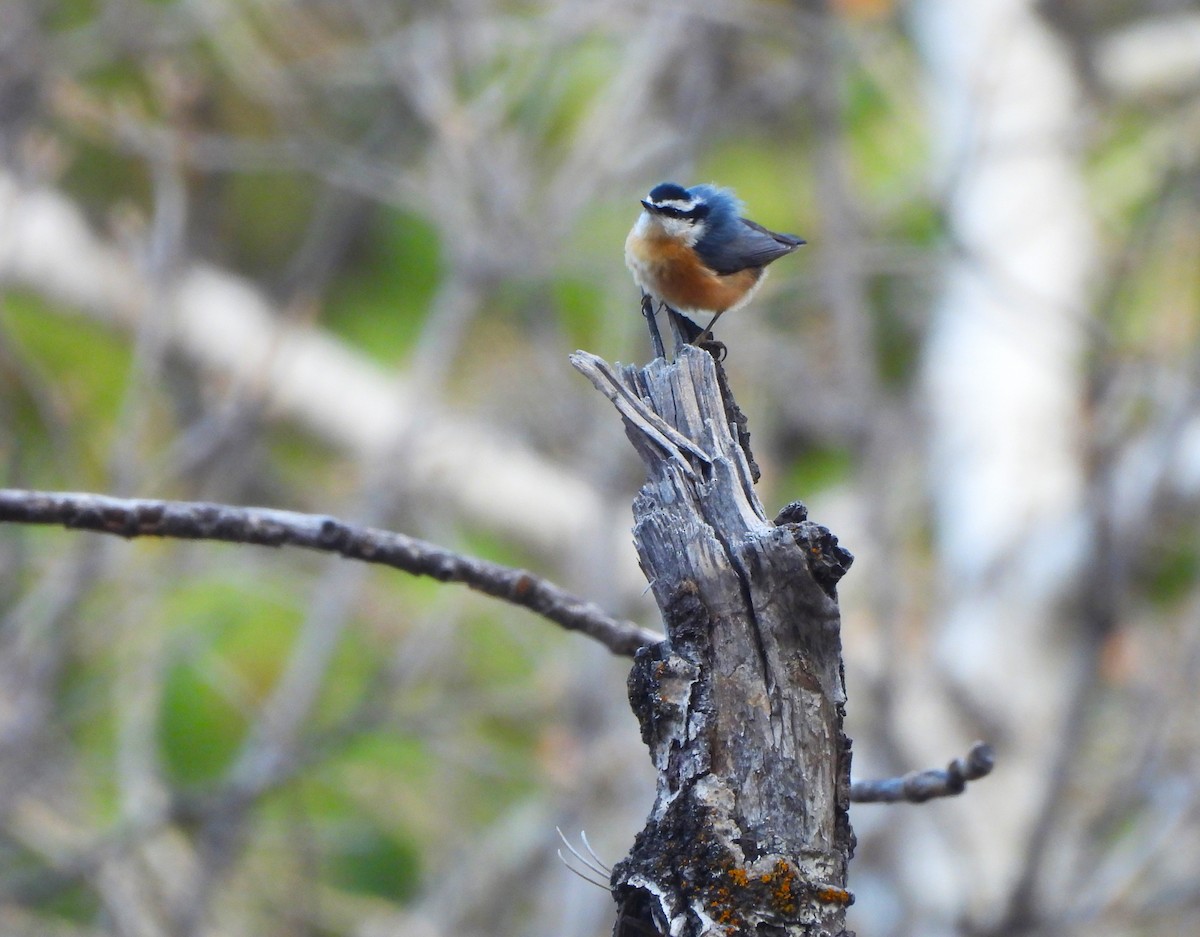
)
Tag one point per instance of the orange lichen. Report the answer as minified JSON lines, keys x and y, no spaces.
{"x":728,"y":917}
{"x":724,"y":903}
{"x":783,"y":889}
{"x":776,"y":892}
{"x":831,"y":894}
{"x":724,"y":911}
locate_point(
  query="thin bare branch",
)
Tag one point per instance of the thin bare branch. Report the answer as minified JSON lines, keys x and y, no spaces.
{"x":604,"y":866}
{"x":574,"y":871}
{"x":592,"y":872}
{"x":920,"y":786}
{"x":197,"y":520}
{"x":593,"y":864}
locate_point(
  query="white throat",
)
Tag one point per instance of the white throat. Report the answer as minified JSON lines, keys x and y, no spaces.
{"x":677,"y":229}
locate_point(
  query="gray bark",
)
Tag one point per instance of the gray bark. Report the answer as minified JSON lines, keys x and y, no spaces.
{"x":742,"y":705}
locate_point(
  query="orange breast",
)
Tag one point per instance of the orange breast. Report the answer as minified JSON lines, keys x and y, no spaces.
{"x":672,"y":272}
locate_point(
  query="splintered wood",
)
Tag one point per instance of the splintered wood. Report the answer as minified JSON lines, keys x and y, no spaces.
{"x":742,"y":705}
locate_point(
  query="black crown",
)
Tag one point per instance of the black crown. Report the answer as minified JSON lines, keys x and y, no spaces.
{"x":669,"y":192}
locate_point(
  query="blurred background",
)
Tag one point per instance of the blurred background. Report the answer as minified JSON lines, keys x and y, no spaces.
{"x":331,"y":256}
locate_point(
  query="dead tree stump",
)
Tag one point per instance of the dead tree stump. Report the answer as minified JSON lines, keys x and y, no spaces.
{"x":742,"y":705}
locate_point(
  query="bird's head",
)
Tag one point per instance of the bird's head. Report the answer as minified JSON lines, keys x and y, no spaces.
{"x":690,"y":214}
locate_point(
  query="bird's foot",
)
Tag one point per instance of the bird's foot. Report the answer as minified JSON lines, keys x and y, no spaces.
{"x":715,"y":348}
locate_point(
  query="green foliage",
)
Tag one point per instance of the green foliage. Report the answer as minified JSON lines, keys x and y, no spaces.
{"x":263,"y":215}
{"x":566,"y":87}
{"x":55,"y":895}
{"x":581,"y":306}
{"x":233,"y":640}
{"x":887,"y":138}
{"x":816,"y":469}
{"x":1175,"y":571}
{"x":79,"y":372}
{"x":394,"y":754}
{"x":358,"y":847}
{"x":381,"y":300}
{"x":770,"y":178}
{"x":201,"y":728}
{"x":897,"y":343}
{"x":107,"y":179}
{"x":301,"y":466}
{"x":69,"y":14}
{"x":495,"y":657}
{"x":362,"y":857}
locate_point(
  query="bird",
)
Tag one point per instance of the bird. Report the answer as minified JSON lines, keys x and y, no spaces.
{"x":692,"y":250}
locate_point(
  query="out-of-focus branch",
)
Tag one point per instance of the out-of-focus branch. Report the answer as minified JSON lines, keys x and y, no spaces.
{"x":193,"y":520}
{"x":920,"y":786}
{"x":1156,"y":55}
{"x":227,"y":328}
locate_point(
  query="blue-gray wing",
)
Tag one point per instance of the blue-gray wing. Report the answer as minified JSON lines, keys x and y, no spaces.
{"x":751,"y":246}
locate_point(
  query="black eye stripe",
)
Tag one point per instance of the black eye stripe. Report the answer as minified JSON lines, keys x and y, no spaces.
{"x":692,"y":214}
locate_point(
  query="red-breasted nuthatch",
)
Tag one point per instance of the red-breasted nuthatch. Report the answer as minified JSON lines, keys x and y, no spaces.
{"x":692,"y":250}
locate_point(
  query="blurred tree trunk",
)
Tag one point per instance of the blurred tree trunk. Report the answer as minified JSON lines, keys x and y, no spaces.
{"x":1004,"y":386}
{"x":742,"y":705}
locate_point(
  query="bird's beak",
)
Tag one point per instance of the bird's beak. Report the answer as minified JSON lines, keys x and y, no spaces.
{"x":649,"y":206}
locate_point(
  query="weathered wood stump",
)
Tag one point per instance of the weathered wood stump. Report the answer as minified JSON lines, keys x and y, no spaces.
{"x":742,"y":705}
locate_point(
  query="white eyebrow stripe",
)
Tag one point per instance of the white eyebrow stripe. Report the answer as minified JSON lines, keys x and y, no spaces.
{"x":676,"y":203}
